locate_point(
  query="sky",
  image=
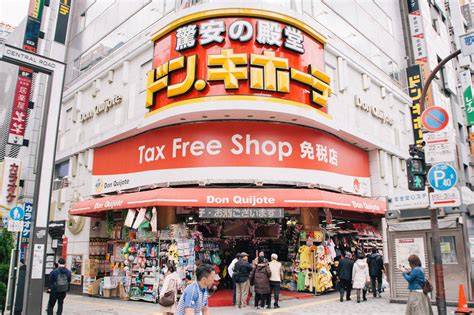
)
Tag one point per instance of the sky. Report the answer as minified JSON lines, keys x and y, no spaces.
{"x":13,"y":11}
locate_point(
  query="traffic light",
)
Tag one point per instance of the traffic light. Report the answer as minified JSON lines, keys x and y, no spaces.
{"x":416,"y":169}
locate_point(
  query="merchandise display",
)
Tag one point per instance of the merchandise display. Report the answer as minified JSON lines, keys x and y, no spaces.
{"x":135,"y":268}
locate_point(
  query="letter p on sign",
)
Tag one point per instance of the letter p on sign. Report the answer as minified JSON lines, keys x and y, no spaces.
{"x":442,"y":176}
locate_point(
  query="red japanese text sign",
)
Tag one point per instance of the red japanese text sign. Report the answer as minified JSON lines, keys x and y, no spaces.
{"x":20,"y":109}
{"x":234,"y":56}
{"x":232,"y":152}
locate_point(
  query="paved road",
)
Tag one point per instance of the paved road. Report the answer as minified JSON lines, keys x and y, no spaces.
{"x":326,"y":304}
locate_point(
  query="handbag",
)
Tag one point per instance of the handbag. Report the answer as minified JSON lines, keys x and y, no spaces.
{"x":427,"y":287}
{"x":168,"y":299}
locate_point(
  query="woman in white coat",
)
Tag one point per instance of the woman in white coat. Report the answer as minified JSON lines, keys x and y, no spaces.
{"x":171,"y":283}
{"x":360,"y":276}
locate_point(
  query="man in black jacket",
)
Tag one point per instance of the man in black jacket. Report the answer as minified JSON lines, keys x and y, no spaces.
{"x":241,"y":276}
{"x":375,"y":261}
{"x":345,"y":276}
{"x":59,"y":281}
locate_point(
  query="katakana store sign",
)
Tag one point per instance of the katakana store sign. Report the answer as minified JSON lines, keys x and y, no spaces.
{"x":232,"y":56}
{"x":415,"y":87}
{"x":9,"y":182}
{"x":231,"y":151}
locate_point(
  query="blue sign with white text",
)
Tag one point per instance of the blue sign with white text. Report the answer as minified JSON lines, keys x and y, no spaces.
{"x":442,"y":176}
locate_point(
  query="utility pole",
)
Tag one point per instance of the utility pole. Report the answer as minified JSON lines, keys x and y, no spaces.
{"x":438,"y":262}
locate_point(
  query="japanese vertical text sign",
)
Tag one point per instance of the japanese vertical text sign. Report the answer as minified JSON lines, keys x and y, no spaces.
{"x":10,"y":183}
{"x":418,"y":41}
{"x":239,"y":57}
{"x":18,"y":119}
{"x":415,"y":86}
{"x":467,"y":94}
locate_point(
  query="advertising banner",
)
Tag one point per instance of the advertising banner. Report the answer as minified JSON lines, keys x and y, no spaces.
{"x":227,"y":152}
{"x":62,"y":21}
{"x":18,"y":119}
{"x":467,"y":95}
{"x":418,"y":40}
{"x":415,"y":86}
{"x":20,"y":110}
{"x":236,"y":56}
{"x":10,"y":183}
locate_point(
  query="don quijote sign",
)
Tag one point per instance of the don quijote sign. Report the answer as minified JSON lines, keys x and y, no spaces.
{"x":103,"y":107}
{"x":256,"y":56}
{"x":375,"y":111}
{"x":226,"y":151}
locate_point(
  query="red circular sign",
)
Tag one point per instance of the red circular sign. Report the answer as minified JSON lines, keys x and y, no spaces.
{"x":435,"y":118}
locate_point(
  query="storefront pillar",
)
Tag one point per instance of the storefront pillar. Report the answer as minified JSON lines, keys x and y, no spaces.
{"x":166,"y":216}
{"x":309,"y":218}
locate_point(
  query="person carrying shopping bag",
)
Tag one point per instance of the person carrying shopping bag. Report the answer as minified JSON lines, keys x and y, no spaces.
{"x":360,"y":277}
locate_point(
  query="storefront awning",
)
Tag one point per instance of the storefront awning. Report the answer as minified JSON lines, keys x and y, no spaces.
{"x":235,"y":198}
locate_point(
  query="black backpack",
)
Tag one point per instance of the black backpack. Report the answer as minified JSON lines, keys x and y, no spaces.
{"x":62,"y":282}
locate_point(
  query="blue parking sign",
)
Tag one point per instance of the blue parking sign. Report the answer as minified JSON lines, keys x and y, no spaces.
{"x":442,"y":176}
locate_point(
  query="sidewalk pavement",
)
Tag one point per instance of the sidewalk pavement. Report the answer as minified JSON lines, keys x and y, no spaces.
{"x":325,"y":304}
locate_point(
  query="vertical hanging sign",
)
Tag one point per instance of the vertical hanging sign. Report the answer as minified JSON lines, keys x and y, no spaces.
{"x":467,"y":94}
{"x":418,"y":42}
{"x":18,"y":119}
{"x":415,"y":86}
{"x":62,"y":21}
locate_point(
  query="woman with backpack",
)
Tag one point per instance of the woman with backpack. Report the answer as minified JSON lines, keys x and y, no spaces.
{"x":418,"y":300}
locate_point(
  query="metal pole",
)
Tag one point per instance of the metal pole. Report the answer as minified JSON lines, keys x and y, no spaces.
{"x":13,"y":274}
{"x":438,"y":262}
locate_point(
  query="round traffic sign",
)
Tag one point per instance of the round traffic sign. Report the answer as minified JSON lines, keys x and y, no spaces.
{"x":442,"y":176}
{"x":17,"y":214}
{"x":435,"y":118}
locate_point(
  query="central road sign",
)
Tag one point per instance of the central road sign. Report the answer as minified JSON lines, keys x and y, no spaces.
{"x":435,"y":118}
{"x":442,"y":176}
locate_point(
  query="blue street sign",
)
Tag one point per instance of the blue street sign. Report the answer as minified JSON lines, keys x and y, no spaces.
{"x":442,"y":176}
{"x":17,"y":214}
{"x":27,"y":222}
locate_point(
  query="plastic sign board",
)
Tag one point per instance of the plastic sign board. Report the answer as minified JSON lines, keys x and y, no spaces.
{"x":439,"y":147}
{"x":467,"y":44}
{"x":435,"y":118}
{"x":409,"y":200}
{"x":15,"y":226}
{"x":447,"y":198}
{"x":442,"y":177}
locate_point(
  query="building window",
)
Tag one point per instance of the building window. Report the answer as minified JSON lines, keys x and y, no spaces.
{"x":448,"y":250}
{"x":61,"y":172}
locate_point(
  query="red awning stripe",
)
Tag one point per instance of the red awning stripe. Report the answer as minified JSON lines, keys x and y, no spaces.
{"x":235,"y":198}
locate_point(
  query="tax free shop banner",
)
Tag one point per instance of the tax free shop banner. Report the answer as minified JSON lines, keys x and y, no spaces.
{"x":231,"y":152}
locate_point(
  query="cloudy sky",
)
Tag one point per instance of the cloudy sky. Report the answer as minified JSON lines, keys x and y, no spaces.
{"x":13,"y":11}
